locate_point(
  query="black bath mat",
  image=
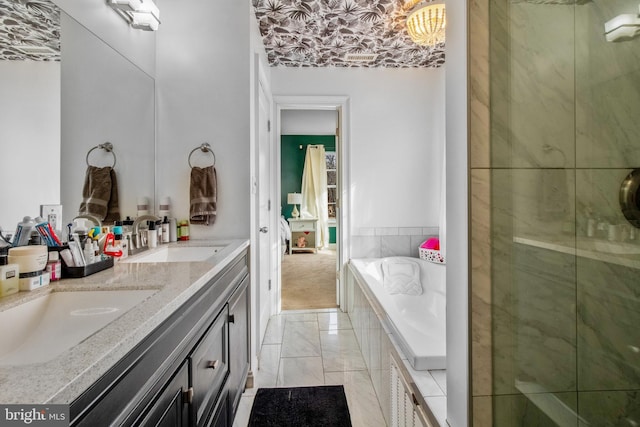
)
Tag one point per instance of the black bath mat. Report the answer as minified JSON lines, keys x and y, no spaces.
{"x":300,"y":406}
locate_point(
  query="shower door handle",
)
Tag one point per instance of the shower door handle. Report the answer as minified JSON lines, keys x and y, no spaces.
{"x":264,"y":230}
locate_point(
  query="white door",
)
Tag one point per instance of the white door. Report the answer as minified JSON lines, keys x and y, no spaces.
{"x":266,"y":232}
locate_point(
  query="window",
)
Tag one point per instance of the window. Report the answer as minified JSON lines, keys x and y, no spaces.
{"x":332,"y":187}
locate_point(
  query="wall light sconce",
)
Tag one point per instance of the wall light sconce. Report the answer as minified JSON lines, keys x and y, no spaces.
{"x":140,"y":14}
{"x":426,"y":22}
{"x":622,"y":27}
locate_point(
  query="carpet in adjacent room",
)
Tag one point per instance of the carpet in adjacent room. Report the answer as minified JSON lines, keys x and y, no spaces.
{"x":309,"y":280}
{"x":300,"y":406}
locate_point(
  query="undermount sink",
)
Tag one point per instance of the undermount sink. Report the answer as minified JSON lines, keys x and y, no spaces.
{"x":43,"y":328}
{"x":176,"y":254}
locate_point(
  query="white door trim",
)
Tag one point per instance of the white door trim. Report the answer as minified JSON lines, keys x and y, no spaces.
{"x":259,"y":79}
{"x":341,"y":105}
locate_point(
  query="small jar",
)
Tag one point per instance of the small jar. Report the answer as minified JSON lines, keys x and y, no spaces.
{"x":184,"y":230}
{"x":54,"y":267}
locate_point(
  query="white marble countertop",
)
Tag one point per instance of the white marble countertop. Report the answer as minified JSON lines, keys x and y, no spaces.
{"x":65,"y":377}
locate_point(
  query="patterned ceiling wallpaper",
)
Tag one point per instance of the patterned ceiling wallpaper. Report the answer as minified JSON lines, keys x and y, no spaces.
{"x":28,"y":24}
{"x":319,"y":33}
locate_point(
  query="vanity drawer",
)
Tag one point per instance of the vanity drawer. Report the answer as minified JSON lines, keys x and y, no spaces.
{"x":210,"y":366}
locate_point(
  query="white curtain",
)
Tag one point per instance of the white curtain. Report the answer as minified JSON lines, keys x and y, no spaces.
{"x":314,"y":191}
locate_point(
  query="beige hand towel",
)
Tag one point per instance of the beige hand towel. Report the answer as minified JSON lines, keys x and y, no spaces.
{"x":100,"y":194}
{"x":203,"y":195}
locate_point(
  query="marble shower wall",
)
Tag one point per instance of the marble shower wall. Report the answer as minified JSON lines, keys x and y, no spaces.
{"x":554,"y":130}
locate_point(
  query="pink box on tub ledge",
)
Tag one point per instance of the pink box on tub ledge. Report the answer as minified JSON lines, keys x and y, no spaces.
{"x":430,"y":251}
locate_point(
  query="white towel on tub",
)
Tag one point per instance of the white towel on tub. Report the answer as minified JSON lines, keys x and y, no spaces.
{"x":401,"y":276}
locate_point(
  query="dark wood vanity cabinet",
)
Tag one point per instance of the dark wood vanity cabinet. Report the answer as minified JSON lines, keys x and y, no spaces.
{"x":170,"y":408}
{"x":238,"y":344}
{"x":190,"y":371}
{"x":210,"y":367}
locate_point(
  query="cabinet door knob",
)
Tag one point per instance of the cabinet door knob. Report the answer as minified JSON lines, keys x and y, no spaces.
{"x":264,"y":229}
{"x":213,"y":364}
{"x":232,"y":318}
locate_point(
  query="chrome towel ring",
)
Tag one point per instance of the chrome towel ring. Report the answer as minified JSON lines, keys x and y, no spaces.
{"x":205,"y":148}
{"x":108,"y":147}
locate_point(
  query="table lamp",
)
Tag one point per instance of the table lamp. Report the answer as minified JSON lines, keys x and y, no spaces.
{"x":294,"y":199}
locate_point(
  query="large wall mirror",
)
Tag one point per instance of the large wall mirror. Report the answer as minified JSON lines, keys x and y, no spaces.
{"x":57,"y":109}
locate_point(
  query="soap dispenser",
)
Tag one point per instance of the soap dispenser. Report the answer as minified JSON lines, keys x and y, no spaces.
{"x":152,"y":235}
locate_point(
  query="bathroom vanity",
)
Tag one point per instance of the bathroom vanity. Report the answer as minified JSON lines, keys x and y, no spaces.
{"x":179,"y":357}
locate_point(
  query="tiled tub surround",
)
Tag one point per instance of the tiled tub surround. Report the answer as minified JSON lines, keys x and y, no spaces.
{"x":379,"y":242}
{"x":65,"y":377}
{"x":378,"y":345}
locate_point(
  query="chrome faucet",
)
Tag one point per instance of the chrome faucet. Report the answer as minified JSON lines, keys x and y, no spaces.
{"x":137,"y":241}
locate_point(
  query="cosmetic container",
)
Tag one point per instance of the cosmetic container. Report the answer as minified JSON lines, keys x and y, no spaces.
{"x":9,"y":279}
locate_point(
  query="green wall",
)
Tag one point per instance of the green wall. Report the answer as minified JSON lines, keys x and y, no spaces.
{"x":292,"y":165}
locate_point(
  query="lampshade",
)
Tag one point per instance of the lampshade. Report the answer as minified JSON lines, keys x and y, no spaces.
{"x":294,"y":198}
{"x":426,"y":23}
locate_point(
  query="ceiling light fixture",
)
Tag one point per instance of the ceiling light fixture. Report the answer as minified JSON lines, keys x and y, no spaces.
{"x":622,"y":27}
{"x":140,"y":14}
{"x":426,"y":23}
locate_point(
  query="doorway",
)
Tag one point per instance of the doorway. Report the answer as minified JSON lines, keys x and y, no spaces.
{"x":309,"y":262}
{"x":330,"y":261}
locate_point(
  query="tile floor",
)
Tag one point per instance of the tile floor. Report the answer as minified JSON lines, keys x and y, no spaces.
{"x":314,"y":347}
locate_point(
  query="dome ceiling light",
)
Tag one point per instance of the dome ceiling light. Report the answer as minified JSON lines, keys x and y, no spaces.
{"x":426,"y":23}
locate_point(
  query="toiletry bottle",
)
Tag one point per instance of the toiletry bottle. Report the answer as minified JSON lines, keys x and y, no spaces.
{"x":165,"y":230}
{"x":127,"y":225}
{"x":173,"y":230}
{"x":54,"y":267}
{"x":184,"y":230}
{"x":164,"y":209}
{"x":143,"y":206}
{"x":159,"y":230}
{"x":89,"y":254}
{"x":120,"y":241}
{"x":23,"y":231}
{"x":9,"y":283}
{"x":110,"y":247}
{"x":152,"y":235}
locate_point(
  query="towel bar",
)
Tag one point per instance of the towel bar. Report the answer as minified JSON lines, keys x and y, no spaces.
{"x":108,"y":147}
{"x":205,"y":148}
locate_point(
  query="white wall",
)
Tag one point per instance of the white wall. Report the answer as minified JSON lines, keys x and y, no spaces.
{"x":397,"y":136}
{"x":308,"y":122}
{"x":457,"y":217}
{"x":203,"y":80}
{"x":97,"y":16}
{"x":29,"y":139}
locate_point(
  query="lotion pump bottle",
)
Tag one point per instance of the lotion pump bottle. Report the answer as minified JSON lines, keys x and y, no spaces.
{"x":165,"y":230}
{"x":152,"y":235}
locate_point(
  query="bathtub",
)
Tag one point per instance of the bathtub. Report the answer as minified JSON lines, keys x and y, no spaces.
{"x":416,"y":322}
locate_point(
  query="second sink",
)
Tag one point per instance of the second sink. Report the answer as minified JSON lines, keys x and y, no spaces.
{"x":176,"y":254}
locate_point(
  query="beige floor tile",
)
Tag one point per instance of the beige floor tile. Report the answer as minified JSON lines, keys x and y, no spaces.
{"x":301,"y":339}
{"x":300,"y":372}
{"x":333,"y":320}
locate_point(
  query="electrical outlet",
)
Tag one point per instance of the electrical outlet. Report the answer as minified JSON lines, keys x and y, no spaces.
{"x":53,"y":215}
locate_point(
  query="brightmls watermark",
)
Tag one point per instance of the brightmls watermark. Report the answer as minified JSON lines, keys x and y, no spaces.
{"x":34,"y":415}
